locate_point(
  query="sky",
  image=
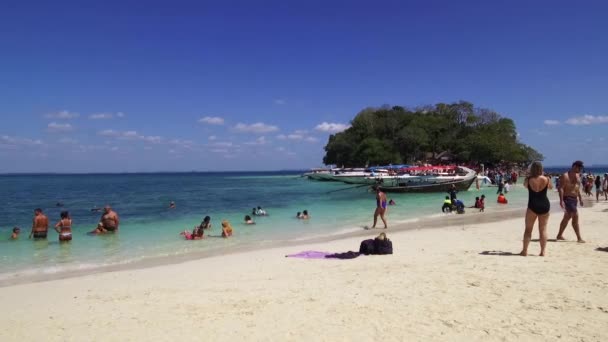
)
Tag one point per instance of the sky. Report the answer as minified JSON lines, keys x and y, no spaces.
{"x":132,"y":86}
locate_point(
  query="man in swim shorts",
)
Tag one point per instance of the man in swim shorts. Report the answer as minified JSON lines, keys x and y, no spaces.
{"x":380,"y":207}
{"x":108,"y":222}
{"x":569,"y":197}
{"x":40,"y":225}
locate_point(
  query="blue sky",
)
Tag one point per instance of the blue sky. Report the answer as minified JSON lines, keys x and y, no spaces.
{"x":259,"y":85}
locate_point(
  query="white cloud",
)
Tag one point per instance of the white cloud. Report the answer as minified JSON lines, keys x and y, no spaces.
{"x":154,"y":139}
{"x":211,"y":137}
{"x":281,"y":137}
{"x":295,"y":137}
{"x":106,"y":116}
{"x":331,"y":127}
{"x":280,"y":102}
{"x":219,"y":150}
{"x":551,"y":122}
{"x":62,"y":115}
{"x":257,"y":127}
{"x":280,"y":149}
{"x":57,"y":127}
{"x":587,"y":120}
{"x":222,"y":144}
{"x":311,"y":139}
{"x":212,"y":120}
{"x":108,"y":133}
{"x":132,"y":135}
{"x":259,"y":141}
{"x":8,"y":142}
{"x":300,"y":131}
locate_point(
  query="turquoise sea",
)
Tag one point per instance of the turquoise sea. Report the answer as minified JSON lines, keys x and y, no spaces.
{"x":150,"y":229}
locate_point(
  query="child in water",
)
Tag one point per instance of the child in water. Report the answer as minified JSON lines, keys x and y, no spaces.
{"x":502,"y":199}
{"x":15,"y":234}
{"x":226,"y":229}
{"x":304,"y":215}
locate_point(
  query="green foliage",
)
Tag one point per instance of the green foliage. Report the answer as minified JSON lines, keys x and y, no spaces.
{"x":395,"y":135}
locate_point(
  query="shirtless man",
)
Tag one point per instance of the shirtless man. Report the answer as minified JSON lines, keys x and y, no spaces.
{"x":109,"y":221}
{"x":40,"y":225}
{"x":380,"y":207}
{"x":569,"y":197}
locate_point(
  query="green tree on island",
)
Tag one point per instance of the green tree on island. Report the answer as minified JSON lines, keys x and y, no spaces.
{"x":397,"y":135}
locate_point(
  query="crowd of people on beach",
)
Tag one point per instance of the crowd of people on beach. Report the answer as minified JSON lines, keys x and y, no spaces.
{"x":537,"y":182}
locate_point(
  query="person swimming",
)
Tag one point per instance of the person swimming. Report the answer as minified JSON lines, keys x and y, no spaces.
{"x":260,"y":211}
{"x":391,"y":202}
{"x":248,"y":220}
{"x":304,"y":215}
{"x":172,"y":205}
{"x":226,"y":229}
{"x":299,"y":215}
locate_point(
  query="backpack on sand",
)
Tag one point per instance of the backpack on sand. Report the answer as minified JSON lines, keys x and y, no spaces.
{"x":383,"y":246}
{"x":367,"y":247}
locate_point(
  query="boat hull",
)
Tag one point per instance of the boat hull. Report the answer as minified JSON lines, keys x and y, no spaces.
{"x":460,"y":184}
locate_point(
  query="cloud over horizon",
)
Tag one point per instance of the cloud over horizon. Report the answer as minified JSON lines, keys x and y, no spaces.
{"x":551,"y":122}
{"x":258,"y":128}
{"x":331,"y":127}
{"x":587,"y":120}
{"x":62,"y":115}
{"x":57,"y":127}
{"x":106,"y":116}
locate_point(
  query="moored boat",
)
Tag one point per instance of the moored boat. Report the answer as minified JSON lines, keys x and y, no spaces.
{"x":429,"y":179}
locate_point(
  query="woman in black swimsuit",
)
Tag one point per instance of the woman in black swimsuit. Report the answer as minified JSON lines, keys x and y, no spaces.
{"x":538,"y":206}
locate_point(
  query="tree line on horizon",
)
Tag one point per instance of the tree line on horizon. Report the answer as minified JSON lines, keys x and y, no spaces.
{"x":396,"y":135}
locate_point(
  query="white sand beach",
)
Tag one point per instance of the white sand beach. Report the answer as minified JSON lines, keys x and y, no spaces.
{"x":453,"y":283}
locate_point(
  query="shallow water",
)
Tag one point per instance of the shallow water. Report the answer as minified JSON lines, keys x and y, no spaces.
{"x":149,"y":229}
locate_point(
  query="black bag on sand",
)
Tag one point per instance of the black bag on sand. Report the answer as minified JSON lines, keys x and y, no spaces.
{"x":367,"y":247}
{"x":383,"y":246}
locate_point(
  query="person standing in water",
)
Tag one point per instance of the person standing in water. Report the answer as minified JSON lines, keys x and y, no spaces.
{"x":569,"y":197}
{"x":380,"y":207}
{"x":64,"y":227}
{"x":538,"y":206}
{"x":40,"y":225}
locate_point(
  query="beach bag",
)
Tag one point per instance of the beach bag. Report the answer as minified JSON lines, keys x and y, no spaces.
{"x":367,"y":247}
{"x":383,"y":246}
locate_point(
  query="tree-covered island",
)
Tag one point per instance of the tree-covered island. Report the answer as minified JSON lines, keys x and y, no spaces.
{"x":395,"y":135}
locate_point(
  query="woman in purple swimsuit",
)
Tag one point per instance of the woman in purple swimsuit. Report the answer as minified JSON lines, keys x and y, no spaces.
{"x":380,"y":207}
